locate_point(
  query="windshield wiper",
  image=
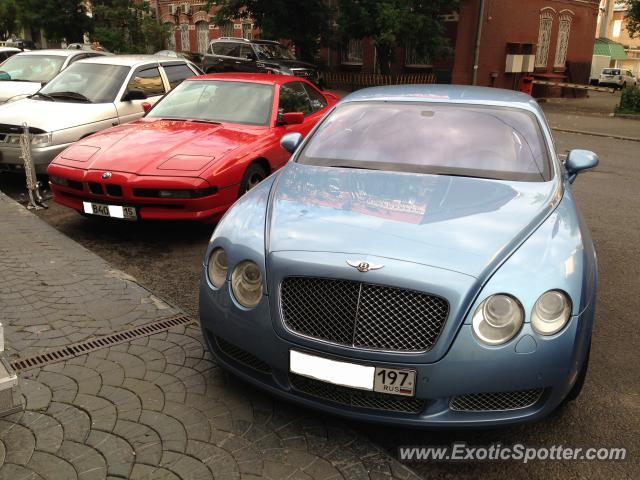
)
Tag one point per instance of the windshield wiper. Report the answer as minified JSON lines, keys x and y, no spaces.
{"x":71,"y":95}
{"x":43,"y":95}
{"x":201,"y":120}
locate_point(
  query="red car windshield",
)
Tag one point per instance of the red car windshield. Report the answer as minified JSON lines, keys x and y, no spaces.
{"x":465,"y":140}
{"x":217,"y":101}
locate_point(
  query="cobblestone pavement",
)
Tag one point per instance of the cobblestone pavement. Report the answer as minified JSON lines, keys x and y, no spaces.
{"x":155,"y":407}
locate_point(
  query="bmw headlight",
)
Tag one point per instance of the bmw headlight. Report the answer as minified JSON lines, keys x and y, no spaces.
{"x":498,"y":319}
{"x":41,"y":140}
{"x":217,"y":267}
{"x":551,"y":312}
{"x":246,"y":283}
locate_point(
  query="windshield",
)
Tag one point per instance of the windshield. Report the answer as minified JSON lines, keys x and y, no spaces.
{"x":31,"y":68}
{"x":88,"y":82}
{"x":611,"y":71}
{"x":217,"y":101}
{"x":476,"y":141}
{"x":269,"y":51}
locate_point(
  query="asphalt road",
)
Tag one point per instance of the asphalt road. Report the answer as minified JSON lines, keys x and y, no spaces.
{"x":167,"y":257}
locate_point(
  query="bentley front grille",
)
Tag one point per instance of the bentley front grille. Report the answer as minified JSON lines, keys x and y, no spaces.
{"x":496,"y":401}
{"x":354,"y":397}
{"x":362,"y":315}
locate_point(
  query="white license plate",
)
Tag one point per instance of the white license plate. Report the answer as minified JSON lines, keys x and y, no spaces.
{"x":114,"y":211}
{"x":392,"y":381}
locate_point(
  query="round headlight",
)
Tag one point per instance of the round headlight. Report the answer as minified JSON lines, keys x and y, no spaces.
{"x":498,"y":319}
{"x":246,"y":283}
{"x":218,"y":267}
{"x":551,"y":312}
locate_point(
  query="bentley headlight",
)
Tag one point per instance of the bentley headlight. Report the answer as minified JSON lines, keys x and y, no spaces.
{"x":551,"y":312}
{"x":498,"y":319}
{"x":246,"y":283}
{"x":218,"y":267}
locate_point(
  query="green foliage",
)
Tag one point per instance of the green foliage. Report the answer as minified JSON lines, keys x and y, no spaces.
{"x":394,"y":23}
{"x":304,"y":22}
{"x":8,"y":17}
{"x":58,"y":19}
{"x":630,"y":100}
{"x":633,"y":17}
{"x":126,"y":26}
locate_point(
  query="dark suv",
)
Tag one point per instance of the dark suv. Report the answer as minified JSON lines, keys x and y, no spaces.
{"x":230,"y":54}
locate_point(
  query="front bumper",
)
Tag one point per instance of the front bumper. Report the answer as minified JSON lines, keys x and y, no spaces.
{"x":121,"y":192}
{"x":550,"y":366}
{"x":11,"y":157}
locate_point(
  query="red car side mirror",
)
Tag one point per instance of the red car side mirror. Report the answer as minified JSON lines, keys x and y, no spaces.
{"x":292,"y":118}
{"x":331,"y":96}
{"x":146,"y":106}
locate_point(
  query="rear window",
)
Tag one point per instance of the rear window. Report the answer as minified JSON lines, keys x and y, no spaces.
{"x":611,"y":71}
{"x":477,"y":141}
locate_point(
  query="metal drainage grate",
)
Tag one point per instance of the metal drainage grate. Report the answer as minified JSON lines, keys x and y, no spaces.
{"x":93,"y":344}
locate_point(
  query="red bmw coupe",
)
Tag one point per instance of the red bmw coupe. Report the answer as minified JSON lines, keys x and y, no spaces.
{"x":202,"y":146}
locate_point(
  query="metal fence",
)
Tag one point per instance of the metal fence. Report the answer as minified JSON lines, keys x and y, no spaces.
{"x":354,"y":81}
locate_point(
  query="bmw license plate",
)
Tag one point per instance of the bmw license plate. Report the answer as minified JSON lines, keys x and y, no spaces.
{"x":395,"y":381}
{"x":113,"y":211}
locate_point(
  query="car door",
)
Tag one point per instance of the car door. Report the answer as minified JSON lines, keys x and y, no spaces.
{"x":148,"y":79}
{"x":293,"y":97}
{"x":247,"y":59}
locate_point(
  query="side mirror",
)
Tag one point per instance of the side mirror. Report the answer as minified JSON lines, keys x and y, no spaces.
{"x":578,"y":161}
{"x":331,"y":96}
{"x":291,"y":141}
{"x":134,"y":95}
{"x":146,"y":106}
{"x":292,"y":118}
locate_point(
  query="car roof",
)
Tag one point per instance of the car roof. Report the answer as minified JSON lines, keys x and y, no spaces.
{"x":265,"y":78}
{"x":131,"y":60}
{"x":460,"y":94}
{"x":10,"y":49}
{"x":60,"y":52}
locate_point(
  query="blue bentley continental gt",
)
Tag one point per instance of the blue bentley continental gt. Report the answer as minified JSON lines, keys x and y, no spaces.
{"x":419,"y":261}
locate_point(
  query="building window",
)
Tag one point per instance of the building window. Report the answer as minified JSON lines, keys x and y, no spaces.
{"x":185,"y":45}
{"x":227,"y":30}
{"x":544,"y":38}
{"x":202,"y":29}
{"x":564,"y":29}
{"x":414,"y":58}
{"x":352,"y":52}
{"x":246,"y":31}
{"x":617,"y":28}
{"x":171,"y":35}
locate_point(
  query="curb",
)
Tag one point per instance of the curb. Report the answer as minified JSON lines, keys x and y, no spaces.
{"x":596,"y":134}
{"x":629,"y":116}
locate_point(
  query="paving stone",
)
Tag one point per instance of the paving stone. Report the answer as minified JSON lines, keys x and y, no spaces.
{"x":119,"y":455}
{"x":51,"y":467}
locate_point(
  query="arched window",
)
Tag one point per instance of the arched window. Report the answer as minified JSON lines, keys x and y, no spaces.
{"x":202,"y":29}
{"x":544,"y":37}
{"x":171,"y":35}
{"x":185,"y":44}
{"x":564,"y":29}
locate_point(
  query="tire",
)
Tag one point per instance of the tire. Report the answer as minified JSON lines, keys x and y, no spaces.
{"x":582,"y":375}
{"x":254,"y":174}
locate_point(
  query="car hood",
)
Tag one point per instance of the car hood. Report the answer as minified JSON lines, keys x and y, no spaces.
{"x":157,"y":147}
{"x":9,"y":89}
{"x":462,"y":224}
{"x":281,"y":62}
{"x":52,"y":116}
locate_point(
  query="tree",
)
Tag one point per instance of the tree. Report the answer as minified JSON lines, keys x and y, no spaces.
{"x":394,"y":23}
{"x":304,"y":22}
{"x":633,"y":17}
{"x":8,"y":18}
{"x":126,"y":26}
{"x":58,"y":19}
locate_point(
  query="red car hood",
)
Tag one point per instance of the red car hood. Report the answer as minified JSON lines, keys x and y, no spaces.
{"x":158,"y":147}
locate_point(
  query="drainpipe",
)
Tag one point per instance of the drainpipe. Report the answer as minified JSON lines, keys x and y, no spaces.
{"x":476,"y":54}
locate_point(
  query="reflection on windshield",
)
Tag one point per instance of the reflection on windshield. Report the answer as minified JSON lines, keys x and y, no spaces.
{"x":217,"y":101}
{"x":31,"y":68}
{"x":407,"y":198}
{"x":87,"y":82}
{"x":267,"y":51}
{"x":463,"y":140}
